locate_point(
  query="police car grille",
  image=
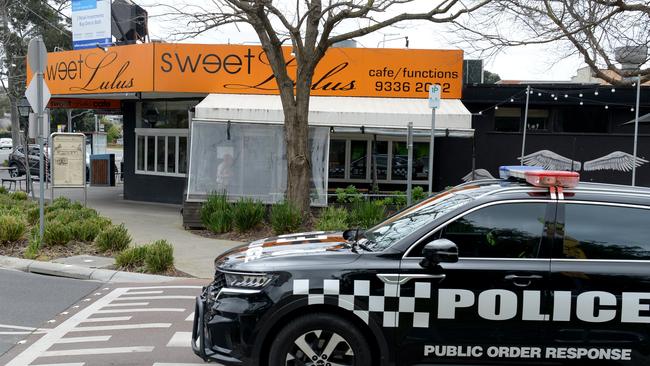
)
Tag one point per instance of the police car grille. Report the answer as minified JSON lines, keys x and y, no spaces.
{"x":218,"y":283}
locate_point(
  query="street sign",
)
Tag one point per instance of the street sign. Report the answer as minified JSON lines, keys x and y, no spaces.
{"x":434,"y":96}
{"x":37,"y":55}
{"x":32,"y":95}
{"x":68,"y":160}
{"x":91,"y":23}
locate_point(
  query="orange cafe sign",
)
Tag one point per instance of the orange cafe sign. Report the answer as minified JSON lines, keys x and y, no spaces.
{"x":242,"y":69}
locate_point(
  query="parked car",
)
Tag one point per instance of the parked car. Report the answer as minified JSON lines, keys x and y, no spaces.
{"x":17,"y":160}
{"x":6,"y":143}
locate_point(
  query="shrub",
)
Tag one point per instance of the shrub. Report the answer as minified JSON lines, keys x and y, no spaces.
{"x":56,"y":234}
{"x":285,"y":218}
{"x":333,"y":218}
{"x":34,"y":246}
{"x":33,"y":215}
{"x":85,"y":230}
{"x":113,"y":238}
{"x":367,"y":214}
{"x":132,"y":258}
{"x":102,"y":222}
{"x":418,"y":194}
{"x":19,"y":196}
{"x":216,"y":213}
{"x":350,"y":194}
{"x":58,"y":203}
{"x":12,"y":228}
{"x":159,"y":257}
{"x":247,"y":213}
{"x":3,"y":190}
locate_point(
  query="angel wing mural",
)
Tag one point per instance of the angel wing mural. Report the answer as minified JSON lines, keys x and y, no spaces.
{"x":479,"y":174}
{"x":550,"y":161}
{"x":617,"y":160}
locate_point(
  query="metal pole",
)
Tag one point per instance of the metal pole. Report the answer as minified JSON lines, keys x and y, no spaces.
{"x":523,"y":141}
{"x":409,"y":148}
{"x":69,"y":120}
{"x":636,"y":128}
{"x":431,"y":146}
{"x":28,"y":178}
{"x":41,"y":163}
{"x":96,"y":124}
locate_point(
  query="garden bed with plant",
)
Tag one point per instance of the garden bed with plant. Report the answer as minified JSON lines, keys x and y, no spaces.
{"x":72,"y":229}
{"x":247,"y":219}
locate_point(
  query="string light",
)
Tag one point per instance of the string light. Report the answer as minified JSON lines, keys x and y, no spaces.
{"x":512,"y":100}
{"x":496,"y":107}
{"x":632,"y":109}
{"x":606,"y":107}
{"x":613,"y":90}
{"x":580,"y":95}
{"x":555,"y":98}
{"x":566,"y":95}
{"x":480,"y":113}
{"x":596,"y":92}
{"x":552,"y":95}
{"x":581,"y":103}
{"x":539,"y":94}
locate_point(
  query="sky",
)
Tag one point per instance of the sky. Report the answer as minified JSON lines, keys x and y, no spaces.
{"x":516,"y":63}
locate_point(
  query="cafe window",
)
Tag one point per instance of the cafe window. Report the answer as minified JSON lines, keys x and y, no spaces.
{"x":388,"y":157}
{"x":358,"y":159}
{"x":165,"y":114}
{"x":161,"y":151}
{"x":337,"y":159}
{"x":507,"y":119}
{"x":537,"y":119}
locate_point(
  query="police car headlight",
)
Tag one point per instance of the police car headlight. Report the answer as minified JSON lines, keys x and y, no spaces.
{"x":248,"y":280}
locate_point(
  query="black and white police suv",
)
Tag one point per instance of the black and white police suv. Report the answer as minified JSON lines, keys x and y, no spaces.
{"x":535,"y":268}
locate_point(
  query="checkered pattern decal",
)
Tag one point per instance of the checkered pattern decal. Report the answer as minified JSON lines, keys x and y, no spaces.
{"x":393,"y":307}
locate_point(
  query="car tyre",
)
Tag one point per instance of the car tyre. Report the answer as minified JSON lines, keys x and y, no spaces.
{"x":15,"y":172}
{"x":320,"y":339}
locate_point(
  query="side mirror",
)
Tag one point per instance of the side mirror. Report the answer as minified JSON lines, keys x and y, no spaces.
{"x":352,"y":234}
{"x":439,"y":251}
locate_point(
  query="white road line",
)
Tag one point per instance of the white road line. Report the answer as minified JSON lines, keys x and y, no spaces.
{"x":20,"y":332}
{"x":130,"y":304}
{"x":163,"y":287}
{"x":62,"y":364}
{"x":16,"y":327}
{"x":177,"y":364}
{"x":139,"y":310}
{"x":83,"y":339}
{"x":121,"y":327}
{"x":96,"y":351}
{"x":42,"y":344}
{"x":164,"y":297}
{"x":190,"y":318}
{"x":108,"y":319}
{"x":144,"y":292}
{"x":180,"y":339}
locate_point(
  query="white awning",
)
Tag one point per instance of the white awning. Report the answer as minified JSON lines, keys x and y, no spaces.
{"x":380,"y":113}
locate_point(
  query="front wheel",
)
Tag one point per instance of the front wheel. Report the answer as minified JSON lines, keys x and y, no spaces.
{"x":320,"y":340}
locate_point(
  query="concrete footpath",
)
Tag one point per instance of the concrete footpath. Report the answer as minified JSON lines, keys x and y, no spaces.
{"x":147,"y":222}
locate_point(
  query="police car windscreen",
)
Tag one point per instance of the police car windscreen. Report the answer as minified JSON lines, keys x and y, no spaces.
{"x":399,"y":226}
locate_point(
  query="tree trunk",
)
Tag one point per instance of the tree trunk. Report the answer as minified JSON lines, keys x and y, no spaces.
{"x":296,"y":135}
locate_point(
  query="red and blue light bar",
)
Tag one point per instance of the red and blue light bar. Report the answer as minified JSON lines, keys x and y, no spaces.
{"x":538,"y":177}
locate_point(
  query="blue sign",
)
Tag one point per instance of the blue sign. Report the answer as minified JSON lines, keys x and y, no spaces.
{"x":78,"y":5}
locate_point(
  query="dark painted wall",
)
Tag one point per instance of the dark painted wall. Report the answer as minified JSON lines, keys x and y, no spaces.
{"x":140,"y":187}
{"x":494,"y":149}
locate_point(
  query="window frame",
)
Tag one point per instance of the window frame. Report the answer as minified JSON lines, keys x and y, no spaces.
{"x":349,"y":137}
{"x":176,"y":133}
{"x":551,"y":206}
{"x":561,"y":221}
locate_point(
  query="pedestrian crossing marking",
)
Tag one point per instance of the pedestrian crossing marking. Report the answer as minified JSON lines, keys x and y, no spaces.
{"x":97,"y":351}
{"x":180,"y":339}
{"x":121,"y":327}
{"x":84,"y":339}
